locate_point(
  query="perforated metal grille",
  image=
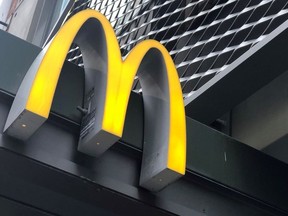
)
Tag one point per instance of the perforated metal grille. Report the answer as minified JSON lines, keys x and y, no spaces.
{"x":202,"y":36}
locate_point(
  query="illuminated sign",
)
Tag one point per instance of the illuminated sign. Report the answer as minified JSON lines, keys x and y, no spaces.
{"x":108,"y":84}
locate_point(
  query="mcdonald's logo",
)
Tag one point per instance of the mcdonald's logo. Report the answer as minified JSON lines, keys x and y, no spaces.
{"x":108,"y":84}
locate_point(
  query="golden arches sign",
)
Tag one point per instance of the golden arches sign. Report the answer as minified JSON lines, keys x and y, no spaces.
{"x":108,"y":83}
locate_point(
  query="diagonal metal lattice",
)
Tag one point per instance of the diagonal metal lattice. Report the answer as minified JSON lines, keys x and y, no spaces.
{"x":202,"y":36}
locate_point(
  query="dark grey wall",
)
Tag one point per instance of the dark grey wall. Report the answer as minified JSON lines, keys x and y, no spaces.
{"x":261,"y":121}
{"x":263,"y":118}
{"x":118,"y":170}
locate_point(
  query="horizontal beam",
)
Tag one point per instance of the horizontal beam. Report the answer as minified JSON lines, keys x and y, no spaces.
{"x":14,"y":208}
{"x":4,"y":24}
{"x":212,"y":159}
{"x":35,"y":184}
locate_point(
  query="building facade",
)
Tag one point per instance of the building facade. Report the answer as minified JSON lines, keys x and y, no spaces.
{"x":231,"y":61}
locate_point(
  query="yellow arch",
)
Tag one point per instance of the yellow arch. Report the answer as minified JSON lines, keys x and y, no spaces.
{"x":120,"y":76}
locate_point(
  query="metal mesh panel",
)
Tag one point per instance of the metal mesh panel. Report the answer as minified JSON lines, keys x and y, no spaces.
{"x":202,"y":36}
